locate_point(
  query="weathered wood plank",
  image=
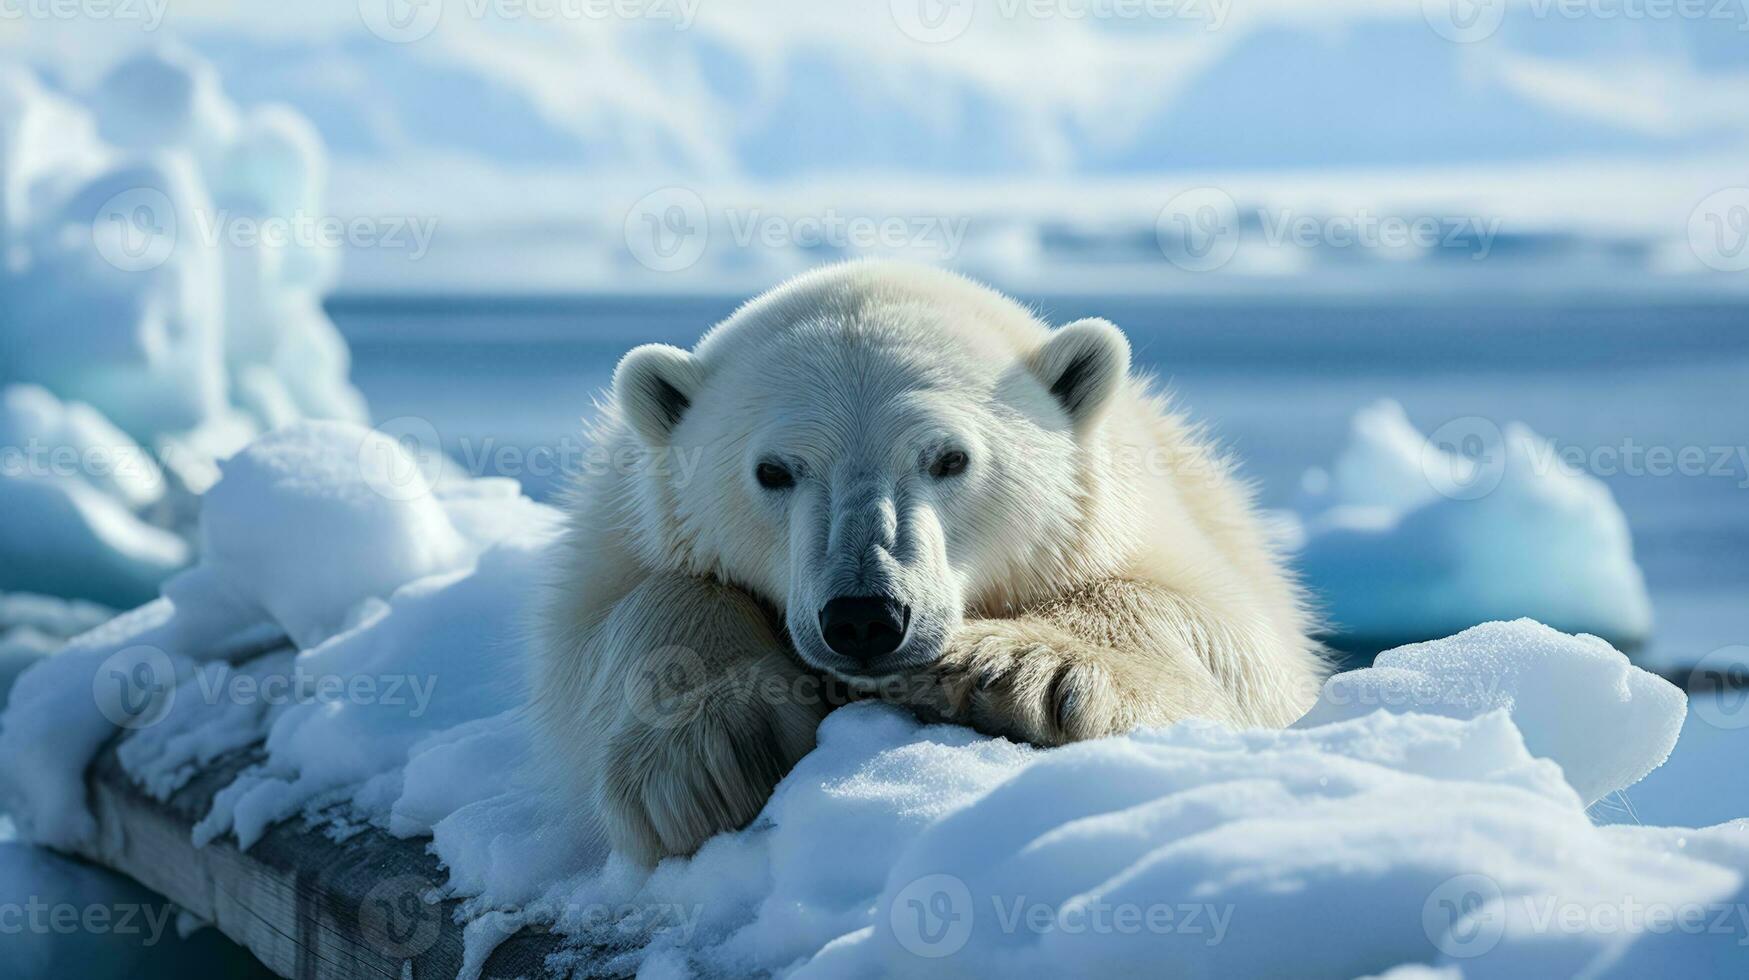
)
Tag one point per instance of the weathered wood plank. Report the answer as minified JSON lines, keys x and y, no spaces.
{"x":306,"y":906}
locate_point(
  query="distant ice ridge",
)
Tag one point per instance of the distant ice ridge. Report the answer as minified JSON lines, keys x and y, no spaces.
{"x":1428,"y":813}
{"x":1409,"y":537}
{"x":151,"y":317}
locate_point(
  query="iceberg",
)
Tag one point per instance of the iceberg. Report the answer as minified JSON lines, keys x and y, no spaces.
{"x":1410,"y":538}
{"x":138,"y":324}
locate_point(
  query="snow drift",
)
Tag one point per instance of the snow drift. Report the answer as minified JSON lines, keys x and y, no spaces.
{"x":143,"y":323}
{"x":1452,"y":824}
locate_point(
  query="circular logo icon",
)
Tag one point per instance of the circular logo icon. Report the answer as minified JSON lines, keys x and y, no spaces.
{"x":1464,"y":459}
{"x":670,"y":687}
{"x":1464,"y":21}
{"x":667,"y":230}
{"x":1198,"y":230}
{"x":1718,"y":688}
{"x":404,"y":460}
{"x":401,"y":917}
{"x":933,"y":21}
{"x":135,"y":231}
{"x":400,"y":21}
{"x":135,"y":686}
{"x":1465,"y":916}
{"x":932,"y":916}
{"x":1718,"y":230}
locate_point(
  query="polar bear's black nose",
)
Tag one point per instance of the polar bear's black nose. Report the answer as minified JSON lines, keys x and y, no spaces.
{"x":864,"y":627}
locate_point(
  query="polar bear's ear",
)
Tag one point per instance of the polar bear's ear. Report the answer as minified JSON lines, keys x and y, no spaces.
{"x":1083,"y":364}
{"x":653,"y":386}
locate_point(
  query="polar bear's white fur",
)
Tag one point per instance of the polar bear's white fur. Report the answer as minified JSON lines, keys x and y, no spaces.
{"x":1041,"y":548}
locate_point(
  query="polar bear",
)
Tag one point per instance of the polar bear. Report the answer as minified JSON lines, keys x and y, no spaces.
{"x":887,"y":480}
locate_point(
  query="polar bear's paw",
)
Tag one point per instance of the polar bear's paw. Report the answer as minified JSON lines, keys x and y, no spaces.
{"x":666,"y":789}
{"x":1038,"y":685}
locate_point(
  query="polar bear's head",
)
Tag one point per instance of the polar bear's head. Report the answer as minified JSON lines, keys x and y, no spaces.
{"x":871,"y":449}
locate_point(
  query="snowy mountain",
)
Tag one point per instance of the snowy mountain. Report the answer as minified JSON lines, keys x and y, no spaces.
{"x":537,"y":128}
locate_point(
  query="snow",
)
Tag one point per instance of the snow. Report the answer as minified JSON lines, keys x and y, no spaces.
{"x":68,"y":538}
{"x":146,"y":332}
{"x":1411,"y":537}
{"x":34,"y":626}
{"x":1197,"y":851}
{"x":31,"y":416}
{"x":306,"y":535}
{"x":256,"y":524}
{"x":1448,"y":831}
{"x":71,"y":487}
{"x":1560,"y":691}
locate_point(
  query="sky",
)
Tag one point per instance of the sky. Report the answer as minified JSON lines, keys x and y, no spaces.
{"x":1049,"y":134}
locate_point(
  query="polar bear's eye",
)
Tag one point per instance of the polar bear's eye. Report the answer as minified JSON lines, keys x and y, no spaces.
{"x":951,"y":463}
{"x":771,"y":476}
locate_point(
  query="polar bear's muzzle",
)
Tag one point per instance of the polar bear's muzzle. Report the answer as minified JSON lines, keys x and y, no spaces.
{"x":870,"y":593}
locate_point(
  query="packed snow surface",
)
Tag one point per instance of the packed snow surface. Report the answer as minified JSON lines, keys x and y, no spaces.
{"x":1449,"y":829}
{"x":1408,"y":536}
{"x":1560,"y":690}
